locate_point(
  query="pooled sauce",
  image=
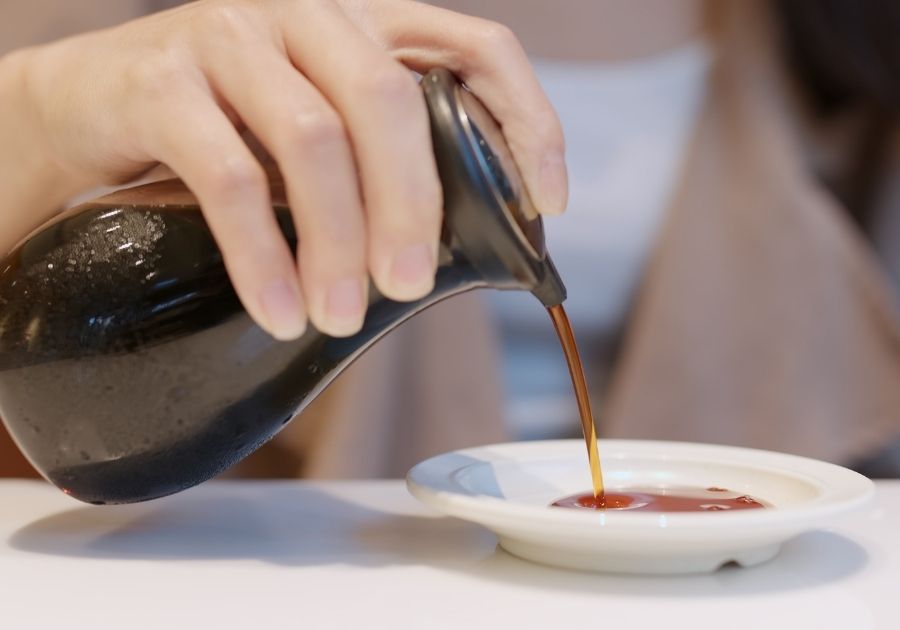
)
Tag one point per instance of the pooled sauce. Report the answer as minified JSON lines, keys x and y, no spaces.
{"x":711,"y":499}
{"x":674,"y":499}
{"x":576,"y":371}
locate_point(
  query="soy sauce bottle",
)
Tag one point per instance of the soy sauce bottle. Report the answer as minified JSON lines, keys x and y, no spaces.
{"x":129,"y":369}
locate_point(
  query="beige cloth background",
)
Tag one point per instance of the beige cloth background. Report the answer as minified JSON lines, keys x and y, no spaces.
{"x":763,"y":318}
{"x":39,"y":21}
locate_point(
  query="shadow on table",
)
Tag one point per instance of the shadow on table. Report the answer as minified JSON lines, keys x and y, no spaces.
{"x":285,"y":524}
{"x":810,"y":560}
{"x":293,"y":525}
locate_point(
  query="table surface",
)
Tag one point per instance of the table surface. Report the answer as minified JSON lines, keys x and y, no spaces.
{"x":365,"y":554}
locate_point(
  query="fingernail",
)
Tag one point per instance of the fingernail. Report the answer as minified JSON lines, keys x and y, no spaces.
{"x":412,"y":272}
{"x":554,"y":186}
{"x":345,"y":306}
{"x":281,"y":305}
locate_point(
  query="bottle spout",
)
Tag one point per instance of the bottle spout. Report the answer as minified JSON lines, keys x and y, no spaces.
{"x":550,"y":289}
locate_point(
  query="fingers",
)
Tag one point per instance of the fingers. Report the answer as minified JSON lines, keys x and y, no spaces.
{"x":307,"y":139}
{"x":490,"y":60}
{"x":384,"y":112}
{"x":318,"y":88}
{"x":207,"y":152}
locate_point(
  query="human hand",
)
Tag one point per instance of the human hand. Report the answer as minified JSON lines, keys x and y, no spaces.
{"x":325,"y":86}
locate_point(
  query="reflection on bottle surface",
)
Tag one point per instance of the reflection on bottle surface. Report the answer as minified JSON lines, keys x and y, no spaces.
{"x":129,"y":369}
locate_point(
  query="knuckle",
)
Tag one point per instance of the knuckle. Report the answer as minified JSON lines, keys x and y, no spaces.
{"x":313,"y":129}
{"x":154,"y":76}
{"x":228,"y":20}
{"x":391,"y":83}
{"x":235,"y":177}
{"x":493,"y":38}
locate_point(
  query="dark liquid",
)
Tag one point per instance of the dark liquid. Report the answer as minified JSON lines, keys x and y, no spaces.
{"x":576,"y":371}
{"x":712,"y":499}
{"x":129,"y":369}
{"x":664,"y":500}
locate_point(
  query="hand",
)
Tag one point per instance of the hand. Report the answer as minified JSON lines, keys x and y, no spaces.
{"x":325,"y":86}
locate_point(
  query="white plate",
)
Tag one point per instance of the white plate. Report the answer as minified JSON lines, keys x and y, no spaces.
{"x":508,"y":488}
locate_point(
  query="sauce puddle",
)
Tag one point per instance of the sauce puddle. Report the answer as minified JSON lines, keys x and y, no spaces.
{"x":663,"y":500}
{"x":711,"y":499}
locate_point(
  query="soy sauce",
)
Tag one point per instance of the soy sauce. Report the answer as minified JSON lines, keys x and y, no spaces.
{"x":674,"y":499}
{"x":582,"y":396}
{"x":711,"y":499}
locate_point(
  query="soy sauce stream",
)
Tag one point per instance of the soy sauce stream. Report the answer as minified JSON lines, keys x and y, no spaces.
{"x":576,"y":371}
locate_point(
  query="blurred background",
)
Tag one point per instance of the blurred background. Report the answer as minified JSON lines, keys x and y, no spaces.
{"x":731,"y":245}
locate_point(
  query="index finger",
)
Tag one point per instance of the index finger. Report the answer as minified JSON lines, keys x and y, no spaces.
{"x":490,"y":60}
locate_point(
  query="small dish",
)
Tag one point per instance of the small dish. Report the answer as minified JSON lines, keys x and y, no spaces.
{"x":508,"y":488}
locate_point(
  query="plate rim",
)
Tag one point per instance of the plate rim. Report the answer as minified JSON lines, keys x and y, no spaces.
{"x":486,"y":509}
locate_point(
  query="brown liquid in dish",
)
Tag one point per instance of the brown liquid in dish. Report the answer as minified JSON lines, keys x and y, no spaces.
{"x":712,"y":499}
{"x":664,"y":500}
{"x":567,"y":339}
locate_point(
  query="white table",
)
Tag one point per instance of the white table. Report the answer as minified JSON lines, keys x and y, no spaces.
{"x":264,"y":555}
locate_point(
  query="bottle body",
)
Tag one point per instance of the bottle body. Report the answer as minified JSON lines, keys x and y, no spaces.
{"x":129,"y":369}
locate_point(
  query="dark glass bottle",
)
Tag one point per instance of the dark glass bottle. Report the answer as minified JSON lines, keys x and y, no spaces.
{"x":129,"y":369}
